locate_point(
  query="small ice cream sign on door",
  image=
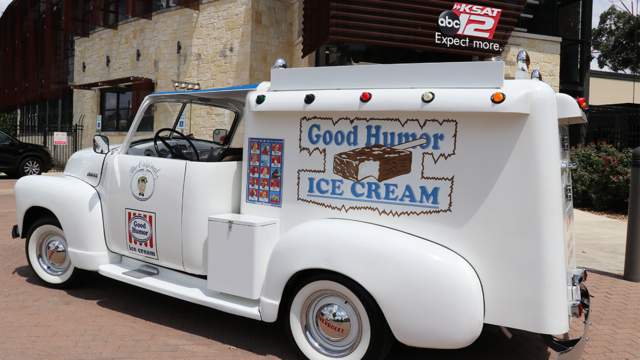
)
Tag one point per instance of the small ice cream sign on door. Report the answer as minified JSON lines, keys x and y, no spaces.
{"x":141,"y":231}
{"x":388,"y":166}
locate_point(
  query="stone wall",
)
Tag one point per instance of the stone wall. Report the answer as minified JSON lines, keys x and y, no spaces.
{"x":215,"y":51}
{"x":544,"y":52}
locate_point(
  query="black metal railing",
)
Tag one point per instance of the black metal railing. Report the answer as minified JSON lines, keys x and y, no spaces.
{"x":32,"y":131}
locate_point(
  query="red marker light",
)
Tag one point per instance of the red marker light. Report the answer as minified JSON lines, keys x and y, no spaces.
{"x":582,"y":102}
{"x":366,"y":96}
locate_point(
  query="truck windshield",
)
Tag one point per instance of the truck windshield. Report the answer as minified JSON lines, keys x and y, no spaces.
{"x":197,"y":121}
{"x":208,"y":127}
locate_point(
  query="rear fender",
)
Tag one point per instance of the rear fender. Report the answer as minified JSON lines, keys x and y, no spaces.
{"x":430,"y":296}
{"x":77,"y":207}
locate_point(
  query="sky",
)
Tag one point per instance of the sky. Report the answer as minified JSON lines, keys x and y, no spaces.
{"x":599,"y":6}
{"x":3,"y":5}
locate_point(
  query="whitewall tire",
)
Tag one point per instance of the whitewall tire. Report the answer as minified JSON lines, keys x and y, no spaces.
{"x":331,"y":317}
{"x":47,"y":253}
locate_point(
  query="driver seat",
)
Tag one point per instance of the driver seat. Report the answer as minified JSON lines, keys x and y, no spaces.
{"x":224,"y":154}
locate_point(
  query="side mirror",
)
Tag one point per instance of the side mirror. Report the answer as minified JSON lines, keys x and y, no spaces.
{"x":219,"y":136}
{"x":100,"y":144}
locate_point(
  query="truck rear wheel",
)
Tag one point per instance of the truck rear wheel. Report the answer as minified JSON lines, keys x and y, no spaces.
{"x":332,"y":317}
{"x":47,"y":252}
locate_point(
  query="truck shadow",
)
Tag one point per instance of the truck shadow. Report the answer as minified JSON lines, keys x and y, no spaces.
{"x":262,"y":338}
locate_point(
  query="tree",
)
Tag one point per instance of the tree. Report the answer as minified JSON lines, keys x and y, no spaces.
{"x":617,"y":38}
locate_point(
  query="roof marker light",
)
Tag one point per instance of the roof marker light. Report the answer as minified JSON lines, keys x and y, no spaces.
{"x":365,"y":96}
{"x":498,"y":97}
{"x":309,"y":98}
{"x":260,"y":99}
{"x":584,"y":105}
{"x":428,"y":97}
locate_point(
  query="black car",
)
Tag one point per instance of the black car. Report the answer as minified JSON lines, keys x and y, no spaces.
{"x":18,"y":158}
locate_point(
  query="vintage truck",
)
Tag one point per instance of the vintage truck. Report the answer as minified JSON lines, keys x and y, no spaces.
{"x":358,"y":205}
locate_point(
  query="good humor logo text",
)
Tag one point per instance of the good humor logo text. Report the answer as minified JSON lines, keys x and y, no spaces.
{"x":379,"y":165}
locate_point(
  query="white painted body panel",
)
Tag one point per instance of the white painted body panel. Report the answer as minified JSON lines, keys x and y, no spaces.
{"x":479,"y":74}
{"x":568,"y":112}
{"x":431,"y":297}
{"x":165,"y":202}
{"x":239,"y":251}
{"x":181,"y":286}
{"x":78,"y":208}
{"x":506,"y":216}
{"x":85,"y":165}
{"x":210,"y":188}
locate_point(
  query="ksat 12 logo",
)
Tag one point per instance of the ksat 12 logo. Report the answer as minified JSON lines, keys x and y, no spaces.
{"x":469,"y":20}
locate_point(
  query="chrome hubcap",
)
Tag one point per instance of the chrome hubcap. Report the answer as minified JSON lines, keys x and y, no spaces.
{"x":32,"y":167}
{"x":52,"y":255}
{"x":331,"y":324}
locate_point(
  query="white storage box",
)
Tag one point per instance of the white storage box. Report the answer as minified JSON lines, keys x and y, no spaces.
{"x":239,"y":250}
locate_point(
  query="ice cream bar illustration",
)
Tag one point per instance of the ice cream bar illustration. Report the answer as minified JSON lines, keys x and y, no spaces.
{"x":378,"y":161}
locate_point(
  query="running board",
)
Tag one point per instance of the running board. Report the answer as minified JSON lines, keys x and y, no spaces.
{"x":178,"y":285}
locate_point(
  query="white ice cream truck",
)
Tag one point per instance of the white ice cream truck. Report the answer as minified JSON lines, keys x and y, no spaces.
{"x":358,"y":205}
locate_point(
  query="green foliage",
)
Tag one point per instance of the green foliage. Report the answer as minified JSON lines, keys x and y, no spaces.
{"x":618,"y":41}
{"x":601,"y":181}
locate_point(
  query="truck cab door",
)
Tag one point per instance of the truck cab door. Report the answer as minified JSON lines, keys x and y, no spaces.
{"x":142,"y":207}
{"x":141,"y":194}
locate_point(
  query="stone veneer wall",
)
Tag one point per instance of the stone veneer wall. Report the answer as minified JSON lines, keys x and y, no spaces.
{"x":226,"y":42}
{"x":544,"y":52}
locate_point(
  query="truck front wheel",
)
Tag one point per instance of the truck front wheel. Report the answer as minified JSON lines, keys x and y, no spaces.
{"x":332,"y":317}
{"x":47,"y":253}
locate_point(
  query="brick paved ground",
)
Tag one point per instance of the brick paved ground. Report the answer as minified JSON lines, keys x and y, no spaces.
{"x":105,"y":319}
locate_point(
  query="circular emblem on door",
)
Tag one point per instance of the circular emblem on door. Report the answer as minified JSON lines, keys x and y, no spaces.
{"x":143,"y":183}
{"x":140,"y":229}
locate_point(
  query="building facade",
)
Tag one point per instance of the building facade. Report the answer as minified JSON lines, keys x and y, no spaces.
{"x":614,"y":115}
{"x":222,"y":43}
{"x":126,"y":49}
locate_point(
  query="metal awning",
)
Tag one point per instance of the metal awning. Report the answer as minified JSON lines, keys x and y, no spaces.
{"x":125,"y":81}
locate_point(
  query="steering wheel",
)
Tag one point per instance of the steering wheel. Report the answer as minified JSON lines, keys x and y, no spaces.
{"x":175,"y":151}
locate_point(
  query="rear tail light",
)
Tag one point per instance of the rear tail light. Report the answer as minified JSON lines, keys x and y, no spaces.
{"x":582,"y":102}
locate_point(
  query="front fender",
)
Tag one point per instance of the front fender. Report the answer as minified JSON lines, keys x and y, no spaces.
{"x":77,"y":207}
{"x":430,"y":296}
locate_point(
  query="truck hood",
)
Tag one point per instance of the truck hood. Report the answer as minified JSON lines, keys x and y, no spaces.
{"x":85,"y":165}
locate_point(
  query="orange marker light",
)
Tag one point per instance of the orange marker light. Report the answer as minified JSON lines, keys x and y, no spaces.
{"x":498,"y":97}
{"x":366,"y":96}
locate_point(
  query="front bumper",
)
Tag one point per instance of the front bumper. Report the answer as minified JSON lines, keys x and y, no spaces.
{"x":572,"y":349}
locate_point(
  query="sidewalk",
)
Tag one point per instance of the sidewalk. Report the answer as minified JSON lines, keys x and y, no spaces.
{"x":600,"y":242}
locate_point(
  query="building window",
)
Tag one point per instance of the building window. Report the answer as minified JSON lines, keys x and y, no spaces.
{"x":117,"y":113}
{"x":164,"y":4}
{"x":122,"y":10}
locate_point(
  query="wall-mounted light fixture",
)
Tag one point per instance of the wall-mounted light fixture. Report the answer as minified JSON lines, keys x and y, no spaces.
{"x":185,"y":85}
{"x":178,"y":48}
{"x":108,"y":61}
{"x":84,"y":66}
{"x":138,"y":54}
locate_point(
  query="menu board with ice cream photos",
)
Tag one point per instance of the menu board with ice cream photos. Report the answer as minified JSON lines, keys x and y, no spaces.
{"x":264,"y":183}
